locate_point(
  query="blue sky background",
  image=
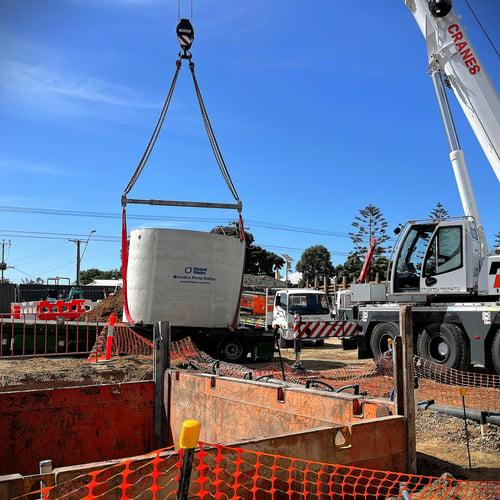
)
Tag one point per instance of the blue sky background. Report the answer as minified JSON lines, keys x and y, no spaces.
{"x":320,"y":108}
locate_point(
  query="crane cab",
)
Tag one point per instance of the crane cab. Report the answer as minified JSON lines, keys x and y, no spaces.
{"x":437,"y":258}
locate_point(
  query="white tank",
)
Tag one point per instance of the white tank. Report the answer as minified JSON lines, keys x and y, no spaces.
{"x":188,"y":278}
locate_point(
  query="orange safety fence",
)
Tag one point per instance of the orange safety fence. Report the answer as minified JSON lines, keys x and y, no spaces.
{"x":435,"y":382}
{"x":125,"y":341}
{"x":222,"y":472}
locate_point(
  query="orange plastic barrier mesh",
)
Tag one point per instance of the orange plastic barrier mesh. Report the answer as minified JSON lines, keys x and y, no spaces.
{"x":435,"y":381}
{"x":226,"y":473}
{"x":125,"y":341}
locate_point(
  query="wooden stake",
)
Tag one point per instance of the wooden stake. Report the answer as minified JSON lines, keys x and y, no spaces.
{"x":406,"y":327}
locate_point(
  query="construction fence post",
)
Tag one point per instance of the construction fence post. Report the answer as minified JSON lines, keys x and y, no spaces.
{"x":45,"y":467}
{"x":161,"y":343}
{"x":297,"y":342}
{"x":188,"y":442}
{"x":406,"y":326}
{"x":397,"y":355}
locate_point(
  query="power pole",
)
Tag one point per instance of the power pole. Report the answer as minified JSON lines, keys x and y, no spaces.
{"x":3,"y":264}
{"x":78,"y":258}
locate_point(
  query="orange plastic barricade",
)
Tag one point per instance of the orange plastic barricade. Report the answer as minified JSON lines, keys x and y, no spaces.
{"x":15,"y":311}
{"x":71,"y":309}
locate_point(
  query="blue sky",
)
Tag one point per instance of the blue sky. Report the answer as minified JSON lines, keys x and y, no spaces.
{"x":319,"y":108}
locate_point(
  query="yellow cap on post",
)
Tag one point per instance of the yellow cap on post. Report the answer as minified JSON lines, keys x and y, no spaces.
{"x":190,"y":433}
{"x":463,"y":391}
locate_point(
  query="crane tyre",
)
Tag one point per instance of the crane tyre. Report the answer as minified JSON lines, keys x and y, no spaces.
{"x":495,"y":352}
{"x":445,"y":345}
{"x":233,"y":349}
{"x":379,"y":339}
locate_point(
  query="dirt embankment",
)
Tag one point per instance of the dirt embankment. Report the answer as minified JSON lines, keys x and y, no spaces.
{"x":111,"y":304}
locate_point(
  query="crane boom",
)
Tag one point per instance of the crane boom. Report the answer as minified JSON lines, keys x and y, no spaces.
{"x":449,"y":47}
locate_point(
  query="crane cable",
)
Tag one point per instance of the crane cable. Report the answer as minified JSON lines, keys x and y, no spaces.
{"x":179,"y":11}
{"x":156,"y":131}
{"x":211,"y":137}
{"x":482,"y":28}
{"x":185,"y":45}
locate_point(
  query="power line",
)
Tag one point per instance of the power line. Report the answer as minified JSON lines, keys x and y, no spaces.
{"x":55,"y":236}
{"x":143,"y":217}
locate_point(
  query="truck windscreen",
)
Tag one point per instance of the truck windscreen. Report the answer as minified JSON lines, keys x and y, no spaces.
{"x":308,"y":304}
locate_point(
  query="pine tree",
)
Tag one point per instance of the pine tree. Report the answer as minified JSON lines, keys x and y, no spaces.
{"x":497,"y":240}
{"x":439,"y":212}
{"x":369,"y":224}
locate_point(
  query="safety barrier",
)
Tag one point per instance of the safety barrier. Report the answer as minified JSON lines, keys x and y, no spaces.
{"x":51,"y":310}
{"x":29,"y":336}
{"x":226,"y":473}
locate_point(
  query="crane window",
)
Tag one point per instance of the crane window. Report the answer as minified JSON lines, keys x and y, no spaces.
{"x":445,"y":252}
{"x":409,"y":263}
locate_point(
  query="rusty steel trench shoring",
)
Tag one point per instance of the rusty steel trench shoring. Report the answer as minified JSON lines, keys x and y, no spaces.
{"x":81,"y":427}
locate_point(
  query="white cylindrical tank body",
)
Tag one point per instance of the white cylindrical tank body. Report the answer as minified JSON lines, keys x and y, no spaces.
{"x":188,"y":278}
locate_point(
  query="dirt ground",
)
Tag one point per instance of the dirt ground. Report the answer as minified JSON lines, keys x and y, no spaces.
{"x":441,"y":440}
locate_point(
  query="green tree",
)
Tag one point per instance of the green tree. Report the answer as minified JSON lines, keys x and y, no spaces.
{"x":370,"y":223}
{"x":258,"y":260}
{"x":90,"y":275}
{"x":315,"y":263}
{"x":233,"y":230}
{"x":350,"y":269}
{"x":438,"y":213}
{"x":29,"y":281}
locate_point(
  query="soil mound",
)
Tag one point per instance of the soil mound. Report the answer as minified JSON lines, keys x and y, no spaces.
{"x":111,"y":304}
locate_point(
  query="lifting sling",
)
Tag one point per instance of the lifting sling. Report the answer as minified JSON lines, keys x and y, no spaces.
{"x":185,"y":36}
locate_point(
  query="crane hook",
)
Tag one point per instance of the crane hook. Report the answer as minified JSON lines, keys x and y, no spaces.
{"x":185,"y":35}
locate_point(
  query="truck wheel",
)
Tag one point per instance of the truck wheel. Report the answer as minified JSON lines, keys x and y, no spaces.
{"x":379,"y":340}
{"x":284,"y":343}
{"x":495,"y":352}
{"x":444,"y":344}
{"x":233,"y":349}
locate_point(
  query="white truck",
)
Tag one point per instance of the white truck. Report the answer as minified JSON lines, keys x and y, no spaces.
{"x":291,"y":304}
{"x":443,"y":268}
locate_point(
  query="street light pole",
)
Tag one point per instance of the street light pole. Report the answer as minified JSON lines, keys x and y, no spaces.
{"x":288,"y":261}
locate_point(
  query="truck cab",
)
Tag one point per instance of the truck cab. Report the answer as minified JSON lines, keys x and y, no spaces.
{"x":437,"y":258}
{"x":310,"y":304}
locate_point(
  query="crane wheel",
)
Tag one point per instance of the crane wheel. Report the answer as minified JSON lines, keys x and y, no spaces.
{"x":445,"y":345}
{"x":495,"y":352}
{"x":381,"y":334}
